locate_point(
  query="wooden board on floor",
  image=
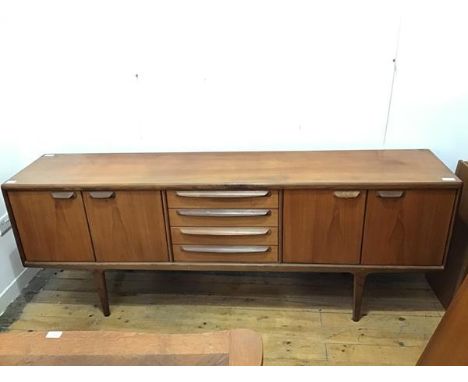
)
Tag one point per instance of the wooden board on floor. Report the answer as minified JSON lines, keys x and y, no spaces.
{"x":233,"y":347}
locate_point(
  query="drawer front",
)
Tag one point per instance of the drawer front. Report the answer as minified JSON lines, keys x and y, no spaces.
{"x":127,"y":225}
{"x":223,"y":217}
{"x":52,"y":226}
{"x":223,"y":199}
{"x":225,"y":253}
{"x":407,"y":227}
{"x":225,"y":235}
{"x":323,"y":226}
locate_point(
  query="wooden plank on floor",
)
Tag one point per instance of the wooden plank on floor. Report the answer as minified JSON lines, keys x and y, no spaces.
{"x":53,"y":323}
{"x":292,"y":348}
{"x":388,"y":330}
{"x":372,"y":354}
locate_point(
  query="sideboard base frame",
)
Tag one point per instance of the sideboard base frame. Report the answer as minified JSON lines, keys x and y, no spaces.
{"x":359,"y":273}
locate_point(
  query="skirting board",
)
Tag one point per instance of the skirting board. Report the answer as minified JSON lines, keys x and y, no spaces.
{"x":13,"y":290}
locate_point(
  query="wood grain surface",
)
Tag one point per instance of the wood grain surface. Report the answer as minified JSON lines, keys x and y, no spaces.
{"x":319,"y":228}
{"x":408,"y":230}
{"x":128,"y":226}
{"x":51,"y":229}
{"x":299,"y":169}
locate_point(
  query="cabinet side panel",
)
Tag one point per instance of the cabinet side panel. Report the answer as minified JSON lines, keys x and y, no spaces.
{"x":447,"y":282}
{"x":14,"y":226}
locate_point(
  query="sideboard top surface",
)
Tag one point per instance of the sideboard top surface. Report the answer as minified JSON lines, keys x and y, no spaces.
{"x":283,"y":169}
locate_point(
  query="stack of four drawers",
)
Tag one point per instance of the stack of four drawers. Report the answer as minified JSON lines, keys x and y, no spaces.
{"x":224,"y":226}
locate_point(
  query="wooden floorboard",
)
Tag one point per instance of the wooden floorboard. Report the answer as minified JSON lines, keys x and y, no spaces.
{"x":304,"y":319}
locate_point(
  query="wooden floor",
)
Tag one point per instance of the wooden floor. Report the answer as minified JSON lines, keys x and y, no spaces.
{"x":304,"y":319}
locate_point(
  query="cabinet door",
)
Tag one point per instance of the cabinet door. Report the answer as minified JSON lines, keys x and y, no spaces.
{"x":323,"y":226}
{"x":407,"y":227}
{"x":52,"y":226}
{"x":127,"y":226}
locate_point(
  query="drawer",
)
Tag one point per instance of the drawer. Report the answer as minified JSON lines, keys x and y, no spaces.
{"x":225,"y":235}
{"x":186,"y":217}
{"x":223,"y":199}
{"x":226,"y":253}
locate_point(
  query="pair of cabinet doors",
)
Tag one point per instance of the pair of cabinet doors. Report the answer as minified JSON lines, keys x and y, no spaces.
{"x":407,"y":228}
{"x":75,"y":226}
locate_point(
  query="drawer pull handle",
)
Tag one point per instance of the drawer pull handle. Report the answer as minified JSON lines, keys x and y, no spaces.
{"x":390,"y":194}
{"x":63,"y":195}
{"x":102,"y":194}
{"x":226,"y":249}
{"x":347,"y":194}
{"x":225,"y":231}
{"x":223,"y":212}
{"x":222,"y":194}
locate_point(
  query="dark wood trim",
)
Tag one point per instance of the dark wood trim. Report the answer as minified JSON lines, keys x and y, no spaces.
{"x":358,"y":291}
{"x":101,"y":286}
{"x":452,"y":222}
{"x":363,"y":226}
{"x":250,"y":267}
{"x":280,"y":226}
{"x":167,"y":225}
{"x":14,"y":226}
{"x":87,"y":224}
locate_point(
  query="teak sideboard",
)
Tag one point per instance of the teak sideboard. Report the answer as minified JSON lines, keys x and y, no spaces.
{"x":329,"y":211}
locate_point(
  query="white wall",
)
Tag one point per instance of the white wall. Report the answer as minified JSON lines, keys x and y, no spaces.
{"x":430,"y":99}
{"x":13,"y":277}
{"x":212,"y":75}
{"x":227,"y":75}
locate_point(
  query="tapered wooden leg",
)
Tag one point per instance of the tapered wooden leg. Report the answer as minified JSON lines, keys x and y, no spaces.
{"x":100,"y":278}
{"x":359,"y":281}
